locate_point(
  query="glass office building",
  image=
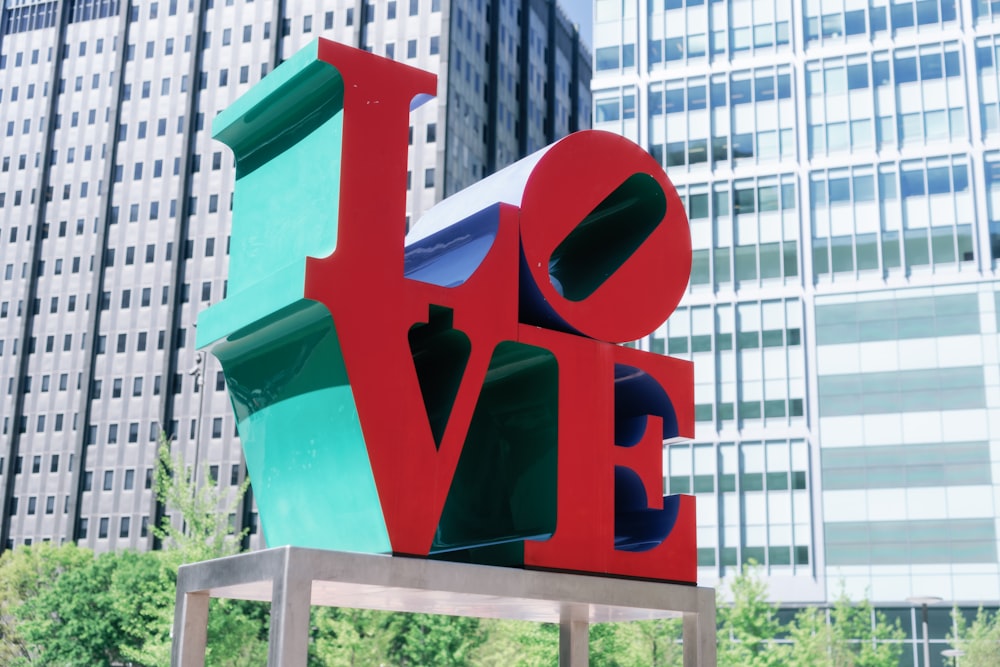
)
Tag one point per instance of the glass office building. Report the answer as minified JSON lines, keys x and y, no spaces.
{"x":114,"y":215}
{"x":840,"y":164}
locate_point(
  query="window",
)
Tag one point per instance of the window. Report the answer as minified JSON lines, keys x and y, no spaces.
{"x":109,"y":478}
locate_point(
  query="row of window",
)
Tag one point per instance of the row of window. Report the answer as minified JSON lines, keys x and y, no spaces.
{"x":113,"y":430}
{"x":890,"y":250}
{"x":914,"y":179}
{"x":390,"y":9}
{"x":32,"y":505}
{"x":36,"y":464}
{"x":105,"y":303}
{"x":132,"y":434}
{"x":125,"y":526}
{"x":907,"y":66}
{"x":743,"y":88}
{"x":903,"y":15}
{"x":760,"y":146}
{"x":749,"y":482}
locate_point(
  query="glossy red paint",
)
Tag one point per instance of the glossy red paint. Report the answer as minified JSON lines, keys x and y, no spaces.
{"x":374,"y":305}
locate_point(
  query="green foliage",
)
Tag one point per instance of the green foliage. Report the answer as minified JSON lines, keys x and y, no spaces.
{"x":347,"y":638}
{"x":144,"y":585}
{"x":659,"y":642}
{"x":24,"y":574}
{"x":640,"y":644}
{"x":518,"y":644}
{"x":205,"y":531}
{"x":423,"y":639}
{"x":848,"y":640}
{"x":237,"y":633}
{"x":980,"y":639}
{"x":749,"y":624}
{"x":73,"y":621}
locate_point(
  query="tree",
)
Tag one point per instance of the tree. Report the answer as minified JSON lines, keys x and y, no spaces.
{"x":73,"y":621}
{"x":749,"y":625}
{"x":24,"y":573}
{"x":348,"y":637}
{"x":143,"y":590}
{"x":425,"y":639}
{"x":847,"y":640}
{"x":659,"y":641}
{"x":237,"y":630}
{"x":205,"y":531}
{"x":980,"y":639}
{"x":518,"y":644}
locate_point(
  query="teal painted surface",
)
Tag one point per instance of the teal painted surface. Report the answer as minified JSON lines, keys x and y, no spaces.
{"x":295,"y":411}
{"x":286,"y":134}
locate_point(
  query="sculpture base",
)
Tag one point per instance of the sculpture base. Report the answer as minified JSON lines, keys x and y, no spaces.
{"x":292,"y":579}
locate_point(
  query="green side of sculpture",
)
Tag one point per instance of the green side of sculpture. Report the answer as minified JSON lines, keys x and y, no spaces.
{"x":295,"y":411}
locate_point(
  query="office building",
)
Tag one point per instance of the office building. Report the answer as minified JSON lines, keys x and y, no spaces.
{"x":114,"y":215}
{"x":840,"y":164}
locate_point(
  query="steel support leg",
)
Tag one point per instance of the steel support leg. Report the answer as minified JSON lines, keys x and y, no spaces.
{"x":290,"y":605}
{"x":191,"y":627}
{"x":574,"y":638}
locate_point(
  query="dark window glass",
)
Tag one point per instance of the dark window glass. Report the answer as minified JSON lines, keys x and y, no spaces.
{"x":764,"y":88}
{"x":857,"y":76}
{"x":905,"y":70}
{"x":674,"y":100}
{"x":606,"y":58}
{"x":952,"y":64}
{"x":931,"y":66}
{"x":696,"y":97}
{"x":854,"y":22}
{"x":877,"y":19}
{"x":902,"y":15}
{"x":840,"y":190}
{"x":912,"y":182}
{"x":961,"y":175}
{"x":742,"y":145}
{"x":938,"y":180}
{"x":719,"y":98}
{"x":927,"y":12}
{"x":984,"y":57}
{"x":739,"y":92}
{"x":784,"y":86}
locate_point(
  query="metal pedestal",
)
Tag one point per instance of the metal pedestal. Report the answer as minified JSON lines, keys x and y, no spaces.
{"x":292,"y":579}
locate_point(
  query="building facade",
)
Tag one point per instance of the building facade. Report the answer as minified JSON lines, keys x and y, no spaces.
{"x":114,"y":216}
{"x":839,"y":164}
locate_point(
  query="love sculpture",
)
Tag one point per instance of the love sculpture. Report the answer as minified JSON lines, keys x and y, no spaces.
{"x":460,"y":394}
